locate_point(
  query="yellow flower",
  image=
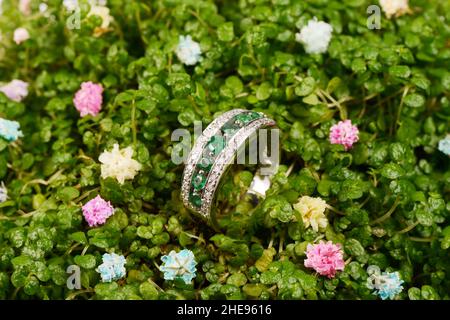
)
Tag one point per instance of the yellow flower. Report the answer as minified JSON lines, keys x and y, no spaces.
{"x":118,"y":164}
{"x":312,"y":211}
{"x":102,"y":12}
{"x":394,"y":7}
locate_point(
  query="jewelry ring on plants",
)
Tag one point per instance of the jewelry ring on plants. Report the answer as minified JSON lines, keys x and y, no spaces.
{"x":239,"y":137}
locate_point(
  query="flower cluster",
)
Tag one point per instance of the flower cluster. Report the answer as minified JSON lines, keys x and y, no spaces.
{"x":394,"y":7}
{"x":312,"y":211}
{"x":21,"y":35}
{"x":119,"y":164}
{"x":70,"y":5}
{"x":315,"y":36}
{"x":15,"y":90}
{"x":10,"y":130}
{"x":103,"y":13}
{"x":188,"y":51}
{"x":387,"y":284}
{"x":97,"y":210}
{"x":444,"y":145}
{"x":179,"y":265}
{"x":112,"y":268}
{"x":344,"y":133}
{"x":25,"y":7}
{"x":88,"y":100}
{"x":325,"y":258}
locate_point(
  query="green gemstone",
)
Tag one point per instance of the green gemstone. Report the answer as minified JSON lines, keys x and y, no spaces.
{"x":195,"y":199}
{"x":216,"y":144}
{"x":199,"y":181}
{"x":244,"y":118}
{"x":229,"y":129}
{"x":255,"y":115}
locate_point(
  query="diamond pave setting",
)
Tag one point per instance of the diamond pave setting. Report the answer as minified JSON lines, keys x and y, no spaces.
{"x":213,"y":151}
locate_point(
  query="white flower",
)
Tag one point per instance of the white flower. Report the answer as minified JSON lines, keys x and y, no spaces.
{"x":97,"y":2}
{"x":3,"y":193}
{"x":119,"y":164}
{"x":315,"y":36}
{"x":43,"y":7}
{"x":102,"y":12}
{"x":394,"y":7}
{"x":188,"y":51}
{"x":15,"y":90}
{"x":70,"y":5}
{"x":25,"y":7}
{"x":20,"y":35}
{"x":312,"y":211}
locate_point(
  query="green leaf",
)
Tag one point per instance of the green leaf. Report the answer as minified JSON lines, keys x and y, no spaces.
{"x":68,"y":193}
{"x":306,"y":87}
{"x":87,"y":261}
{"x":225,"y":32}
{"x":312,"y":99}
{"x":392,"y":171}
{"x":144,"y":232}
{"x":414,"y":100}
{"x":400,"y":71}
{"x":264,"y":91}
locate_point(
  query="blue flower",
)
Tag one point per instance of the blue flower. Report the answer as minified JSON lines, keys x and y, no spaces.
{"x":188,"y":51}
{"x":387,"y":284}
{"x":112,"y":268}
{"x":391,"y":285}
{"x":10,"y":130}
{"x":444,"y":145}
{"x":179,"y":265}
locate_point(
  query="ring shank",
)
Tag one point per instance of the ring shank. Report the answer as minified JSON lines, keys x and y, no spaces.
{"x":222,"y":162}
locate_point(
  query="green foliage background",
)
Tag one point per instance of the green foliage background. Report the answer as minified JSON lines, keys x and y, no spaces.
{"x":390,"y":191}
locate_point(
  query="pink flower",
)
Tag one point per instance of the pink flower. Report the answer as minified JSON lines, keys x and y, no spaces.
{"x":20,"y":35}
{"x":25,"y":7}
{"x":88,"y":100}
{"x":325,"y":257}
{"x":344,"y":133}
{"x":15,"y":90}
{"x":97,"y":210}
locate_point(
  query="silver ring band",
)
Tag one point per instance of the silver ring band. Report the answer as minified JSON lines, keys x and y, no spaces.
{"x":212,"y":154}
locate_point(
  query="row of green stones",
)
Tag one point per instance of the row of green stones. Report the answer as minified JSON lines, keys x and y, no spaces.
{"x":212,"y":149}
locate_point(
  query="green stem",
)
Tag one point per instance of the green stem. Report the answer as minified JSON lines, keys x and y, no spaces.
{"x":405,"y":92}
{"x":408,"y":228}
{"x":133,"y":122}
{"x":421,"y":239}
{"x":86,"y":194}
{"x":331,"y":208}
{"x":84,"y":250}
{"x":73,"y":295}
{"x":387,"y":214}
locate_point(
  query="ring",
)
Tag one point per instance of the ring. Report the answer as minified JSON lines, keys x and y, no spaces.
{"x":216,"y":148}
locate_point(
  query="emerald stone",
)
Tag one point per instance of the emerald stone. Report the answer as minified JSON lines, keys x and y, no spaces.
{"x":195,"y":199}
{"x":229,"y":129}
{"x":255,"y":115}
{"x":216,"y":144}
{"x":244,"y":118}
{"x":199,"y":181}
